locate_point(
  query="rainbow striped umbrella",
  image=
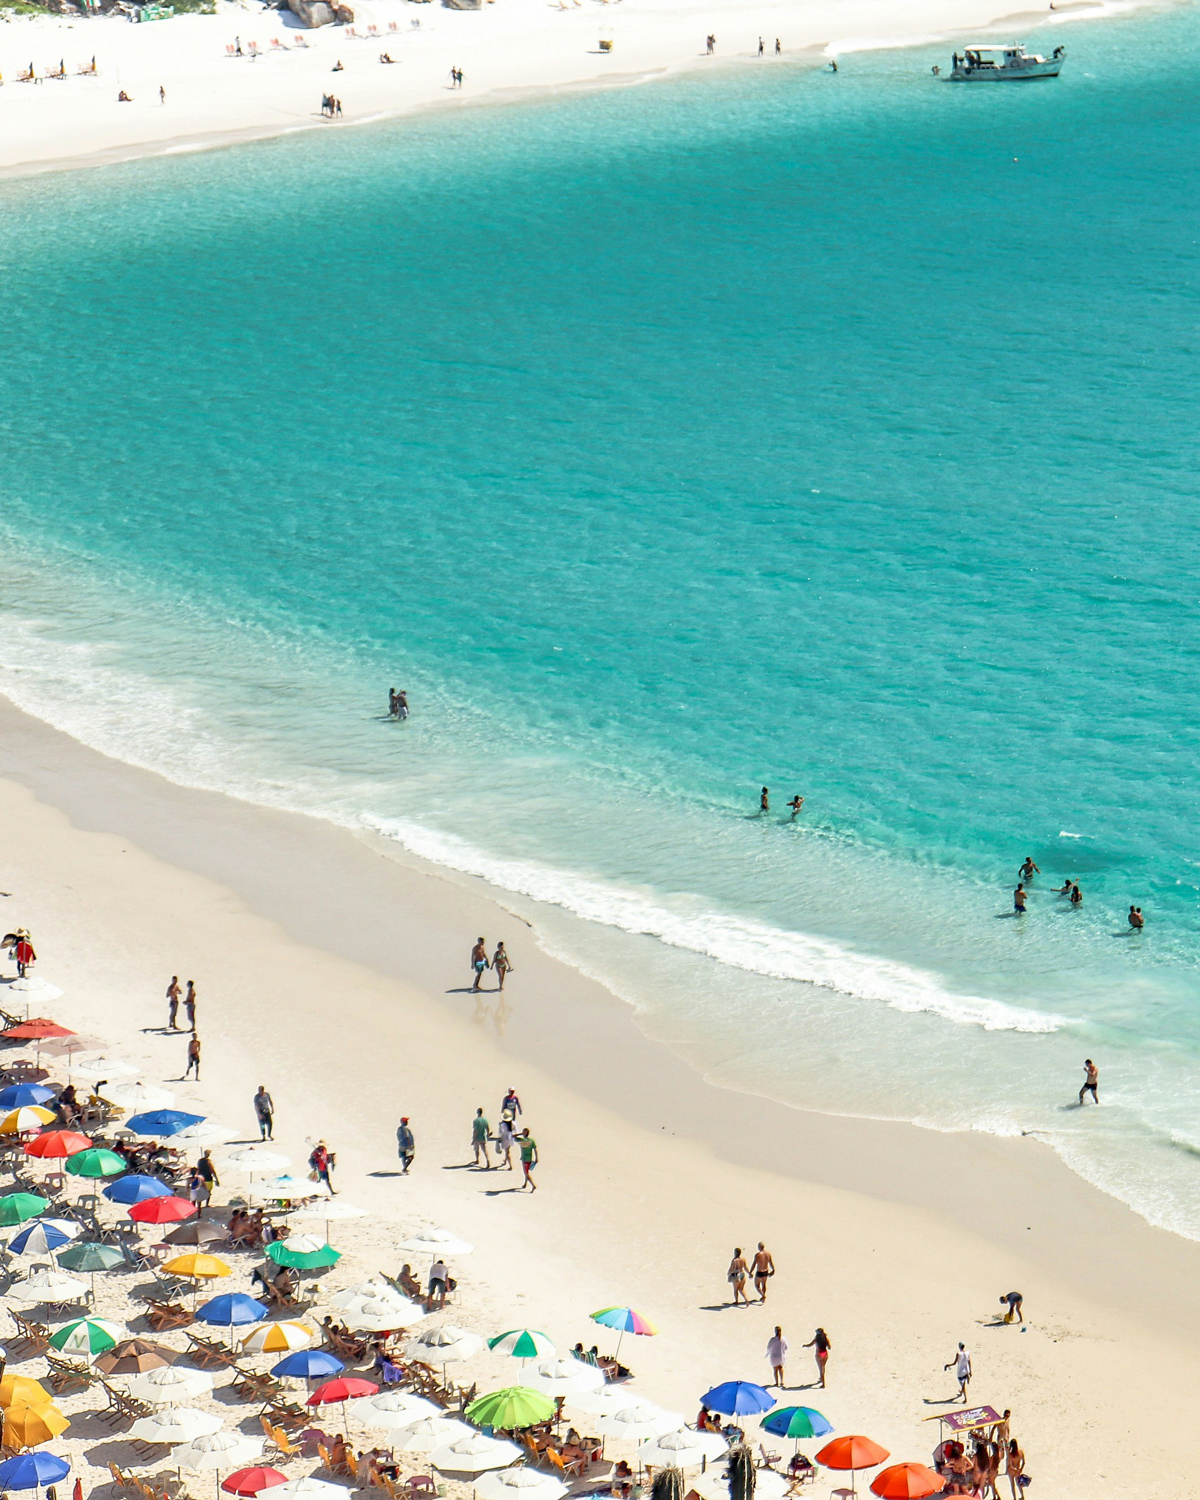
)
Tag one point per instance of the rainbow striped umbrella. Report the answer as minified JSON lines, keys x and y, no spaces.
{"x":624,"y":1320}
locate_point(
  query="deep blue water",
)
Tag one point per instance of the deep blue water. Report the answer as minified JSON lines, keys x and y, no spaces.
{"x":837,"y":433}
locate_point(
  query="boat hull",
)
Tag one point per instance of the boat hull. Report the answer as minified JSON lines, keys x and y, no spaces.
{"x":1006,"y":75}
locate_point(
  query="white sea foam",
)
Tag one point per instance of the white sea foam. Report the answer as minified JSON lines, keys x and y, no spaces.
{"x":739,"y":942}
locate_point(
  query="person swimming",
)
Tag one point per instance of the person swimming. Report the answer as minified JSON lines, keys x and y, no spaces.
{"x":796,"y":804}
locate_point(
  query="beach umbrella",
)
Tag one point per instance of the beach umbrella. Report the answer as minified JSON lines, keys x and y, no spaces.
{"x":44,"y":1236}
{"x":339,"y":1390}
{"x":86,"y":1336}
{"x":218,"y":1450}
{"x":196,"y":1232}
{"x":109,"y":1068}
{"x":91,"y":1257}
{"x":307,"y":1364}
{"x":161,"y":1122}
{"x":371,"y":1304}
{"x":58,"y":1143}
{"x":231,"y":1310}
{"x":564,"y":1376}
{"x":16,"y":1208}
{"x":906,"y":1482}
{"x":303,"y":1252}
{"x":29,"y":1471}
{"x":769,"y":1484}
{"x":253,"y":1481}
{"x":38,"y":1030}
{"x":796,"y":1422}
{"x":16,"y":1095}
{"x":428,"y":1433}
{"x":329,"y":1209}
{"x":608,"y":1401}
{"x":277,"y":1338}
{"x":737,"y":1398}
{"x":197,"y":1265}
{"x":519,"y":1484}
{"x":285,"y":1189}
{"x":624,"y":1320}
{"x":852,"y":1453}
{"x":96,"y":1162}
{"x":177,"y":1424}
{"x":444,"y":1345}
{"x":308,"y":1488}
{"x":205,"y":1133}
{"x":135,"y":1187}
{"x":48,"y":1285}
{"x":30,"y":984}
{"x":30,"y":1426}
{"x":23,"y":1390}
{"x":254,"y":1159}
{"x":133,"y":1356}
{"x":396,"y":1408}
{"x":436,"y":1242}
{"x":474,"y":1453}
{"x":523,"y":1344}
{"x":162,"y":1210}
{"x":514,"y":1406}
{"x":137,"y":1096}
{"x":28,"y":1117}
{"x":170,"y":1385}
{"x":640,"y":1424}
{"x":682,"y":1450}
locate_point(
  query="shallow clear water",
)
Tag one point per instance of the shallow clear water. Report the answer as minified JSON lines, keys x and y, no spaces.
{"x":832,"y":433}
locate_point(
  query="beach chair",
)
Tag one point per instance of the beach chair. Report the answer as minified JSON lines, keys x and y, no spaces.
{"x":392,"y":26}
{"x":121,"y":1480}
{"x":283,"y":1446}
{"x":68,"y":1375}
{"x":299,"y":42}
{"x":288,"y":1416}
{"x":277,"y":45}
{"x":35,"y":1335}
{"x":208,"y":1352}
{"x":373,"y":31}
{"x":768,"y":1460}
{"x":419,"y":1487}
{"x":164,"y":1315}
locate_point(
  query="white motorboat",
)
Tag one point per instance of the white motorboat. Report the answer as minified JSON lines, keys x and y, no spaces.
{"x":1002,"y":64}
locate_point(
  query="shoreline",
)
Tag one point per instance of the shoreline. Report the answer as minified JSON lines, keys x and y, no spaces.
{"x":530,"y":51}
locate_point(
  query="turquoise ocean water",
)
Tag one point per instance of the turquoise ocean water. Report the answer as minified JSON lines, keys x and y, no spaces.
{"x":766,"y":426}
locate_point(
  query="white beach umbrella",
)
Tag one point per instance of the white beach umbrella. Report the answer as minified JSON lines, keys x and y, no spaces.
{"x":519,"y":1484}
{"x":289,"y":1188}
{"x":170,"y":1385}
{"x":402,"y":1410}
{"x":217,"y":1450}
{"x":473,"y":1454}
{"x":112,"y":1068}
{"x":49,"y":1285}
{"x":641,"y":1424}
{"x":607,"y":1401}
{"x":179,"y":1424}
{"x":376,"y":1299}
{"x":206,"y":1133}
{"x":436,"y":1242}
{"x":255,"y":1159}
{"x":137,"y":1097}
{"x":32,"y":988}
{"x":308,"y":1488}
{"x":430,"y":1433}
{"x":382,"y":1316}
{"x":334,"y":1208}
{"x":564,"y":1376}
{"x":682,"y":1450}
{"x":714,"y":1484}
{"x":444,"y":1345}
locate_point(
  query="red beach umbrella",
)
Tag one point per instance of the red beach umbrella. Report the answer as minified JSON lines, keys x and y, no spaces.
{"x":852,"y":1453}
{"x":37,"y":1030}
{"x":57,"y":1143}
{"x":251,"y":1481}
{"x":168,"y":1211}
{"x":344,"y":1388}
{"x":906,"y":1482}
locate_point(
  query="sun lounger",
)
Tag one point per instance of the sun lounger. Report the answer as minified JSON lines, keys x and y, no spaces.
{"x":69,"y":1375}
{"x":35,"y":1335}
{"x":255,"y":1385}
{"x":209,"y":1352}
{"x":282,"y":1445}
{"x":164,"y":1315}
{"x":299,"y":42}
{"x":287,"y":1415}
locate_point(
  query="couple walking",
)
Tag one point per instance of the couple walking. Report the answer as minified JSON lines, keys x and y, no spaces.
{"x":761,"y":1267}
{"x":480,"y":961}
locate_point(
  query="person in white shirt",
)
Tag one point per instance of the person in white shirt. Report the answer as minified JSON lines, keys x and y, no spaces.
{"x":962,"y":1370}
{"x":777,"y":1348}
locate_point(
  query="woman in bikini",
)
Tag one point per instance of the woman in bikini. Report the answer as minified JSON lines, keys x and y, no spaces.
{"x":736,"y":1276}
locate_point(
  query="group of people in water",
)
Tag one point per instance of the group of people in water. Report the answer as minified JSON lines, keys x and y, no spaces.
{"x":764,"y":803}
{"x":1069,"y":889}
{"x":397,"y":703}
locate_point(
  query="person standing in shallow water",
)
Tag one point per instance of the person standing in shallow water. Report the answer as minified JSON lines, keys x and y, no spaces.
{"x":1019,"y":901}
{"x":1136,"y":920}
{"x":1091,"y":1081}
{"x":764,"y":800}
{"x":1028,"y":870}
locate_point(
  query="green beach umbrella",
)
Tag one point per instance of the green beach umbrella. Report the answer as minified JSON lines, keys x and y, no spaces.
{"x":303,"y":1252}
{"x":96,"y":1162}
{"x":517,"y":1406}
{"x":15,"y":1208}
{"x":93,"y":1257}
{"x":87,"y":1336}
{"x":523,"y":1343}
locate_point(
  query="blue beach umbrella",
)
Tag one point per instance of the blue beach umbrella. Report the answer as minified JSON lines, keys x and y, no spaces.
{"x":231,"y":1309}
{"x":306,"y":1364}
{"x":797,"y":1422}
{"x":738,"y":1398}
{"x":19,"y":1095}
{"x":161,"y":1122}
{"x":29,"y":1471}
{"x":134,"y":1188}
{"x":43,"y":1237}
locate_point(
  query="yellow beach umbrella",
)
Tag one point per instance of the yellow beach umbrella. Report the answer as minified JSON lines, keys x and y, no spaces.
{"x":30,"y":1117}
{"x":23,"y":1390}
{"x":199,"y":1266}
{"x":27,"y":1426}
{"x":278,"y":1338}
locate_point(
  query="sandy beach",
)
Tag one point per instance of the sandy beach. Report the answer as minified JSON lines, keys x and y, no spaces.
{"x":506,"y":51}
{"x":338,"y":976}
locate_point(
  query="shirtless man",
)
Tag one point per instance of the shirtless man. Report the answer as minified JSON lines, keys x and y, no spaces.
{"x":764,"y":800}
{"x":763,"y":1266}
{"x":479,"y":961}
{"x":1136,"y":920}
{"x":173,"y":994}
{"x":1019,"y":901}
{"x":1028,"y":870}
{"x":1091,"y":1083}
{"x":736,"y":1276}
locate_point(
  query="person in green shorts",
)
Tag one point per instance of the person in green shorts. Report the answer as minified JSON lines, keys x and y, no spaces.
{"x":480,"y":1133}
{"x":529,"y":1160}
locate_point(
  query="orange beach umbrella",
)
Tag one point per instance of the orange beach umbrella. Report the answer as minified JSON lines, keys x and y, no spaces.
{"x":23,"y":1390}
{"x":906,"y":1482}
{"x":27,"y":1426}
{"x":852,"y":1453}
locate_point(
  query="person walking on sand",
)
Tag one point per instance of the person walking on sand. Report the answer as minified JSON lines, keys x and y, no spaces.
{"x":500,"y":963}
{"x":189,"y":1005}
{"x":961,"y":1365}
{"x":777,"y":1349}
{"x":173,"y":994}
{"x":1014,"y":1301}
{"x":193,"y":1057}
{"x":479,"y":960}
{"x":764,"y":800}
{"x":761,"y":48}
{"x":1028,"y":870}
{"x":208,"y":1173}
{"x":778,"y":47}
{"x":1019,"y":901}
{"x":162,"y":95}
{"x":529,"y":1160}
{"x":1014,"y":1466}
{"x":264,"y":1113}
{"x":1136,"y":920}
{"x":480,"y":1135}
{"x":710,"y":43}
{"x":1091,"y":1082}
{"x":506,"y":1139}
{"x":322,"y":1162}
{"x":511,"y":1103}
{"x":820,"y":1345}
{"x":406,"y":1144}
{"x":763,"y":1266}
{"x":439,"y":1283}
{"x":736,"y":1277}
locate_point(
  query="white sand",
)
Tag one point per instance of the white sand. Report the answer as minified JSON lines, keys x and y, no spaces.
{"x":897,"y":1241}
{"x":505,"y":50}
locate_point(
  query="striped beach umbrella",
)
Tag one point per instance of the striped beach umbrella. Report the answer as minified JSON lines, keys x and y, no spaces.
{"x":44,"y":1236}
{"x":624,"y":1320}
{"x":86,"y":1336}
{"x":523,"y":1343}
{"x":278,"y":1338}
{"x":28,"y":1117}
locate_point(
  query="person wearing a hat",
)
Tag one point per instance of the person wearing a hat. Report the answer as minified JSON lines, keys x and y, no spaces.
{"x":505,"y":1139}
{"x":406,"y":1144}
